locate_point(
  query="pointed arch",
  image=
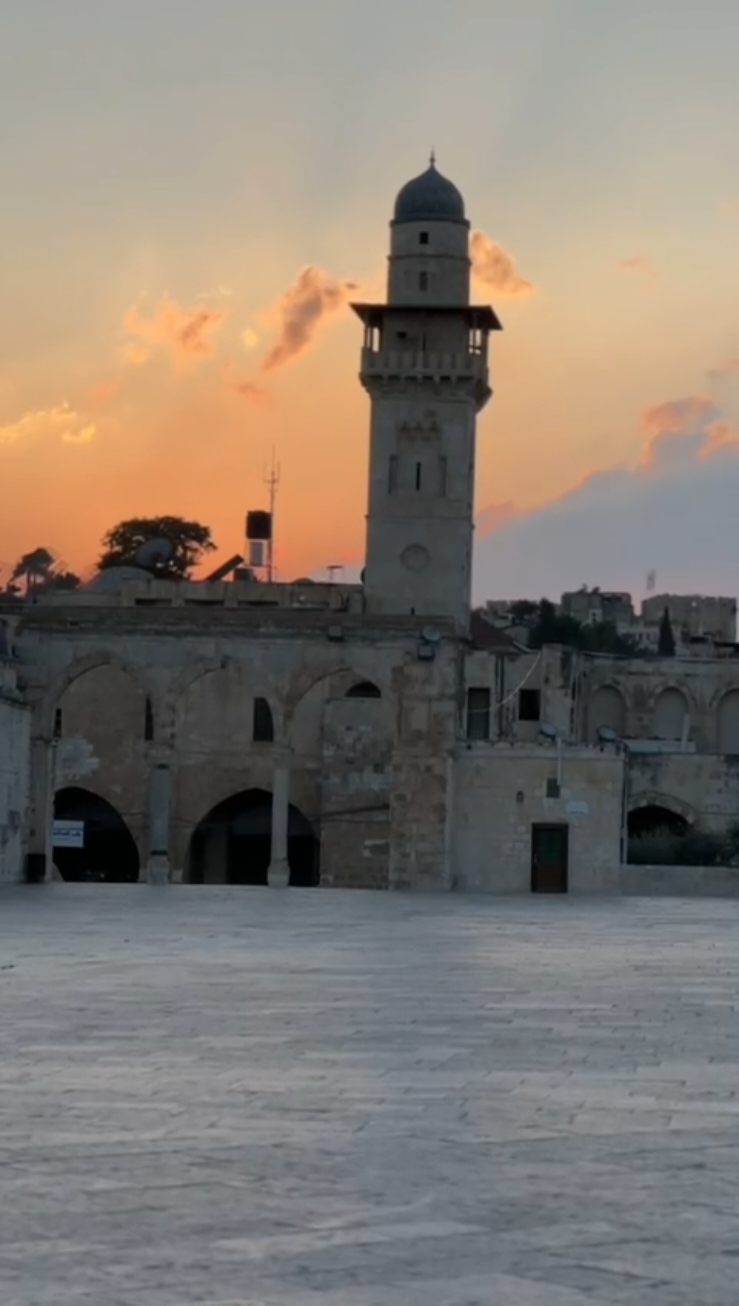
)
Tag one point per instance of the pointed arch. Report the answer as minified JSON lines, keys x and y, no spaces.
{"x":108,"y":850}
{"x":263,"y":731}
{"x":364,"y":689}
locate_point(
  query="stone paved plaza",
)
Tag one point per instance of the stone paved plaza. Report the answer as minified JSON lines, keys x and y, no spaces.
{"x":246,"y":1096}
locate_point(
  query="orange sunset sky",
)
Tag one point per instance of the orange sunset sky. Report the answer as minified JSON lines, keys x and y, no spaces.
{"x":188,"y":188}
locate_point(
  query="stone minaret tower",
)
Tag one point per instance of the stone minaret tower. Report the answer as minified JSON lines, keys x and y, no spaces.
{"x":425,"y":368}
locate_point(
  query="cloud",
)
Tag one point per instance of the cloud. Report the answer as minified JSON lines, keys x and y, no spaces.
{"x":490,"y":518}
{"x":186,"y":333}
{"x":494,"y":267}
{"x":85,"y":435}
{"x":312,"y":298}
{"x":250,"y":390}
{"x":642,"y":266}
{"x":724,"y":369}
{"x":680,"y":416}
{"x":103,"y":392}
{"x":673,"y":512}
{"x":42,"y":423}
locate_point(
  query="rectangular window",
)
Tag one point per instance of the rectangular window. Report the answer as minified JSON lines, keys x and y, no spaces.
{"x":423,"y":238}
{"x":529,"y":705}
{"x":478,"y":713}
{"x":442,"y":476}
{"x":423,"y":281}
{"x":419,"y":470}
{"x":392,"y":474}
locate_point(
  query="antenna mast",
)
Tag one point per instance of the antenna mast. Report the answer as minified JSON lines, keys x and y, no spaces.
{"x":272,"y":481}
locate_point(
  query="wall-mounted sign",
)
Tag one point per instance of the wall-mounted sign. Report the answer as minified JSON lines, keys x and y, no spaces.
{"x":69,"y":834}
{"x":578,"y":809}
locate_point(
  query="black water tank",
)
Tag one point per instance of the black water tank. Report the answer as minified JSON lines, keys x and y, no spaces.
{"x":259,"y":526}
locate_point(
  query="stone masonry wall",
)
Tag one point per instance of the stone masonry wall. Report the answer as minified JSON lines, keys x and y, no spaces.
{"x":15,"y":722}
{"x":500,"y":792}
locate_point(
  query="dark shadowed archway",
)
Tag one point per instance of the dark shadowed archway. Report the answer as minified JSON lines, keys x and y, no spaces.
{"x":654,"y":820}
{"x":108,"y":850}
{"x":233,"y":844}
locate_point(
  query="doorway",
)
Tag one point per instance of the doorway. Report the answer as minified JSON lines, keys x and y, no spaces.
{"x":107,"y":851}
{"x":549,"y":858}
{"x":233,"y":844}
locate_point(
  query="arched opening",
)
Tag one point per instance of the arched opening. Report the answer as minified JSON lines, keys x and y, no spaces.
{"x":263,"y":727}
{"x":104,"y":848}
{"x":655,"y":820}
{"x":728,"y":723}
{"x":364,"y":689}
{"x":671,"y":715}
{"x":606,"y":711}
{"x":233,"y":844}
{"x":105,"y":706}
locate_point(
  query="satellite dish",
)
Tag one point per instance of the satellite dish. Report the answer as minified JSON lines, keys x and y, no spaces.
{"x":153,"y":552}
{"x":549,"y":732}
{"x":606,"y":735}
{"x":431,"y":635}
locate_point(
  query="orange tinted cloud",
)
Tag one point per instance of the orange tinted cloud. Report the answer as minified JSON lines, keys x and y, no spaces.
{"x":641,"y":265}
{"x":493,"y":266}
{"x":101,"y":394}
{"x":680,"y":416}
{"x":186,"y":333}
{"x":256,"y":394}
{"x":313,"y":297}
{"x":63,"y":422}
{"x":728,"y":366}
{"x":684,"y":429}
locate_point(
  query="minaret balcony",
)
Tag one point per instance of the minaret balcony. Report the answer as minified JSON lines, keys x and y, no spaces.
{"x":391,"y":364}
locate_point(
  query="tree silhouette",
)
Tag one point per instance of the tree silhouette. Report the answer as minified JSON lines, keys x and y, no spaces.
{"x":189,"y":541}
{"x":666,"y":646}
{"x":34,"y":567}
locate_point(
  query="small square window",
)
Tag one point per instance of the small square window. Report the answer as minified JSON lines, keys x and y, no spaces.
{"x":529,"y":705}
{"x":553,"y":790}
{"x":423,"y":238}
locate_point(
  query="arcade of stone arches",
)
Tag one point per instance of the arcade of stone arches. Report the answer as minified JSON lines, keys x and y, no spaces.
{"x":123,"y":748}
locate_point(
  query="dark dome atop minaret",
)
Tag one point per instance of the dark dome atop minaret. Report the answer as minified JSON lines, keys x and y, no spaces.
{"x":429,"y":198}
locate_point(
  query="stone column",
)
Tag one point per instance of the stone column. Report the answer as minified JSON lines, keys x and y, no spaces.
{"x":160,"y":793}
{"x":278,"y":875}
{"x":40,"y":852}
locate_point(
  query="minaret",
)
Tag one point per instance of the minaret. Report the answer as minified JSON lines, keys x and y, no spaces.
{"x":425,"y":368}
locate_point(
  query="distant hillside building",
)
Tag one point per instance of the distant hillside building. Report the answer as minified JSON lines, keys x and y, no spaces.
{"x":694,"y":616}
{"x":596,"y":607}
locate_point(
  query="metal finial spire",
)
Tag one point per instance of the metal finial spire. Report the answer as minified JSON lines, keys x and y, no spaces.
{"x":432,"y":158}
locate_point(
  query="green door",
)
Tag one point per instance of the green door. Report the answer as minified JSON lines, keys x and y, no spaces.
{"x":549,"y":847}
